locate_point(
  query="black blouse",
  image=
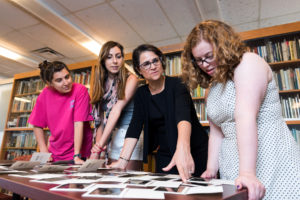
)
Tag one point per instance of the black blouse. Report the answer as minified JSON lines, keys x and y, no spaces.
{"x":179,"y":107}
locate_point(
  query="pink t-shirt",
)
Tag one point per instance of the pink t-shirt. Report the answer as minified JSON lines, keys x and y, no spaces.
{"x":58,"y":112}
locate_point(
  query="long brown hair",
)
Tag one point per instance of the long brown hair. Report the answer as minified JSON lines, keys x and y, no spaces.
{"x":101,"y":74}
{"x":228,"y":50}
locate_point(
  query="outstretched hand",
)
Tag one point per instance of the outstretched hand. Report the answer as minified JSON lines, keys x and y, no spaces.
{"x":184,"y":162}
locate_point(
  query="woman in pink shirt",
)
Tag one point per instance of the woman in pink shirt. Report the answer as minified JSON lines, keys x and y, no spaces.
{"x":63,"y":107}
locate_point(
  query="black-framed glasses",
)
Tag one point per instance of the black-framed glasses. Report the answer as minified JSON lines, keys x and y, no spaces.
{"x":199,"y":61}
{"x":146,"y":65}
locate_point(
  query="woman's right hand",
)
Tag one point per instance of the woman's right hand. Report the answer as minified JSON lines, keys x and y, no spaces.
{"x":209,"y":174}
{"x":119,"y":164}
{"x":94,"y":155}
{"x":97,"y":148}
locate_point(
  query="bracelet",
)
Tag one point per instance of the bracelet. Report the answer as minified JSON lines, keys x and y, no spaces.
{"x":124,"y":159}
{"x":101,"y":150}
{"x":77,"y":155}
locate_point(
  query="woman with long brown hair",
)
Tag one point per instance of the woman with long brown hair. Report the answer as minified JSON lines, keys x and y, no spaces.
{"x":113,"y":89}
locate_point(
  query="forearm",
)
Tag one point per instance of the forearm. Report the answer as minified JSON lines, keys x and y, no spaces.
{"x":214,"y":144}
{"x":110,"y":125}
{"x":247,"y":144}
{"x":78,"y":136}
{"x":40,"y":138}
{"x":184,"y":135}
{"x":128,"y":147}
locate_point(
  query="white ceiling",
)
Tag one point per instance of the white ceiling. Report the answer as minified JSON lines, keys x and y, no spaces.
{"x":131,"y":22}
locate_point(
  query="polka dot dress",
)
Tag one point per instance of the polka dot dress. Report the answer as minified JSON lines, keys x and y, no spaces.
{"x":278,"y":159}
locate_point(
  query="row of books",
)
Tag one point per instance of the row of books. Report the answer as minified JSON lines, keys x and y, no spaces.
{"x":290,"y":106}
{"x":198,"y":92}
{"x":12,"y":154}
{"x":201,"y":110}
{"x":296,"y":134}
{"x":287,"y":79}
{"x":173,"y":65}
{"x":82,"y":77}
{"x":19,"y":121}
{"x":29,"y":86}
{"x":277,"y":51}
{"x":25,"y":103}
{"x":21,"y":139}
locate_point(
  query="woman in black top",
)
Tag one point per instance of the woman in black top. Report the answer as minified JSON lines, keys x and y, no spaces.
{"x":165,"y":110}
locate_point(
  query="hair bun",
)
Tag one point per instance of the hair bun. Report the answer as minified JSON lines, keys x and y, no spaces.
{"x":43,"y":64}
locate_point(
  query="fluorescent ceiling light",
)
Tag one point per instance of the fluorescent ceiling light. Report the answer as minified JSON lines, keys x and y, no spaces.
{"x":92,"y":46}
{"x":17,"y":57}
{"x":44,"y":12}
{"x":9,"y":54}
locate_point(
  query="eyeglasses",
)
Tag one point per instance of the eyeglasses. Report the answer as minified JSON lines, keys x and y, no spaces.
{"x":146,"y":65}
{"x":200,"y":61}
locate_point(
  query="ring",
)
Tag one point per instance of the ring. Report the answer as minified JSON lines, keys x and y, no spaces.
{"x":190,"y":172}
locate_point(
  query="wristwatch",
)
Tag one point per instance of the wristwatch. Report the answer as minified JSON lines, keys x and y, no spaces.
{"x":77,"y":155}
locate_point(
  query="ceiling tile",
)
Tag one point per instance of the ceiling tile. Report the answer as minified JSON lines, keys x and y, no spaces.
{"x":109,"y":25}
{"x":4,"y":29}
{"x":56,"y":6}
{"x":15,"y":17}
{"x":90,"y":31}
{"x":50,"y":38}
{"x":74,"y":5}
{"x":183,"y":15}
{"x":246,"y":26}
{"x":146,"y":17}
{"x":274,"y":8}
{"x":22,"y":42}
{"x":167,"y":42}
{"x":280,"y":20}
{"x":239,"y":11}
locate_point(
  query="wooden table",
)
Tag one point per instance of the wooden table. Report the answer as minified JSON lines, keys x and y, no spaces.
{"x":38,"y":191}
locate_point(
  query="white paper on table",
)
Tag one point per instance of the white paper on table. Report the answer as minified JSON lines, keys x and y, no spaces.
{"x":142,"y":194}
{"x":73,"y":187}
{"x":86,"y":174}
{"x":146,"y":177}
{"x":38,"y":176}
{"x":91,"y":165}
{"x":171,"y":184}
{"x":41,"y":157}
{"x":175,"y":176}
{"x":221,"y":181}
{"x":136,"y":172}
{"x":113,"y":179}
{"x":105,"y":190}
{"x":52,"y":168}
{"x":203,"y":189}
{"x":24,"y":165}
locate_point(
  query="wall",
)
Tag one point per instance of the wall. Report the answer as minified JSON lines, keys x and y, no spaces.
{"x":5,"y":92}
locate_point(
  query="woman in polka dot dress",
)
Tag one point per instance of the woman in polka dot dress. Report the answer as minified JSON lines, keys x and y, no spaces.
{"x":249,"y":140}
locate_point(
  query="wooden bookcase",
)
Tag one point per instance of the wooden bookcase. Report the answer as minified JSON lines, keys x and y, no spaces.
{"x":18,"y":137}
{"x":253,"y":38}
{"x":270,"y":35}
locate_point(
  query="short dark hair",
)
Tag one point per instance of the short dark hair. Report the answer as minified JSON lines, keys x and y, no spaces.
{"x":47,"y":69}
{"x":142,"y":48}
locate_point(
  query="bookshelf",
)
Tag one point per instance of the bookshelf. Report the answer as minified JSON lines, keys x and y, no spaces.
{"x":18,"y":137}
{"x":280,"y":47}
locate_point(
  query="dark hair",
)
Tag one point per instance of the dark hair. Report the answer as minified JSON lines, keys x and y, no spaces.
{"x":142,"y":48}
{"x":47,"y":69}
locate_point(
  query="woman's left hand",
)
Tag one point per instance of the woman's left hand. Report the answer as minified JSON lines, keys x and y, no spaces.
{"x":256,"y":190}
{"x":78,"y":161}
{"x":184,"y":162}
